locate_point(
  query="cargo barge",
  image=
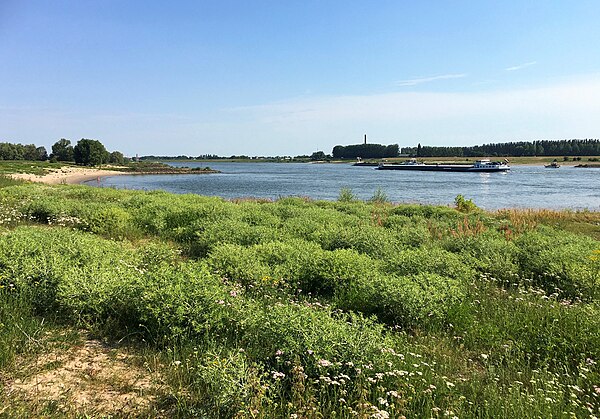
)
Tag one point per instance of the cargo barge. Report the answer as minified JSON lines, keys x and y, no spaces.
{"x":484,"y":165}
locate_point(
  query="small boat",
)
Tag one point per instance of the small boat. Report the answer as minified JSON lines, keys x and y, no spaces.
{"x":361,"y":163}
{"x":484,"y":165}
{"x":553,"y":165}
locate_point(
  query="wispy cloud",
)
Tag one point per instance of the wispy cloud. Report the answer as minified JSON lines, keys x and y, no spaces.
{"x":521,"y":66}
{"x":420,"y":80}
{"x":561,"y":110}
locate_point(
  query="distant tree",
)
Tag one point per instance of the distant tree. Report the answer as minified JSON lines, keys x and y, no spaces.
{"x":41,"y":153}
{"x":318,"y":155}
{"x":10,"y":151}
{"x":90,"y":152}
{"x":116,"y":157}
{"x":33,"y":153}
{"x":365,"y":151}
{"x":62,"y":150}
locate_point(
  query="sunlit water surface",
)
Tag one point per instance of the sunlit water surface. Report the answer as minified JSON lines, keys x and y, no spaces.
{"x":523,"y":186}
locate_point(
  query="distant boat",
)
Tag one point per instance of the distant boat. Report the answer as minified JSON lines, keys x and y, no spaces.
{"x":553,"y":165}
{"x":361,"y":163}
{"x":483,"y":165}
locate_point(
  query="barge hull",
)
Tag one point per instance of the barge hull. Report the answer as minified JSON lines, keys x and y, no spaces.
{"x":441,"y":168}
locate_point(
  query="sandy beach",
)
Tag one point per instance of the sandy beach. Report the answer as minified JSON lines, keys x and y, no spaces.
{"x":67,"y":175}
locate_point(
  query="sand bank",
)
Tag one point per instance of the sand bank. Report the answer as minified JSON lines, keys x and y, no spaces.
{"x":67,"y":175}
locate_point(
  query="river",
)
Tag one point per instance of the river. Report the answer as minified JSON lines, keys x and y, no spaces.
{"x":522,"y":187}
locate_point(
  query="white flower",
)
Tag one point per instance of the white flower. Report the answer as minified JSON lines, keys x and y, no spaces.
{"x":277,"y":375}
{"x":324,"y":363}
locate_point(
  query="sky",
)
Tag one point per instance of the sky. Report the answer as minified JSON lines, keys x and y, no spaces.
{"x":292,"y":77}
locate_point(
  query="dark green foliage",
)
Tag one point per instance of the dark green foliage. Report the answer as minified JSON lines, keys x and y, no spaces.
{"x":365,"y":151}
{"x":90,"y":153}
{"x":9,"y":151}
{"x":116,"y":157}
{"x":587,"y":147}
{"x":62,"y":150}
{"x":318,"y":156}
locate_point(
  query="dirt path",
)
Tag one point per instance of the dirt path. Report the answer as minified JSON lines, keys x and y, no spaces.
{"x":91,"y":379}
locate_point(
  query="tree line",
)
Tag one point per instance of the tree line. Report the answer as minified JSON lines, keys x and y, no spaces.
{"x":9,"y":151}
{"x":365,"y":151}
{"x":86,"y":152}
{"x":587,"y":147}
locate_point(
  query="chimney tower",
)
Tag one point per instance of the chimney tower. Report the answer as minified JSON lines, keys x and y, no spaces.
{"x":365,"y":138}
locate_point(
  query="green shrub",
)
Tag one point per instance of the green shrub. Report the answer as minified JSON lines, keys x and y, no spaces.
{"x":422,"y":300}
{"x":429,"y":259}
{"x":379,"y":197}
{"x":408,"y":231}
{"x":560,"y":262}
{"x":489,"y":253}
{"x":346,"y":195}
{"x":465,"y":205}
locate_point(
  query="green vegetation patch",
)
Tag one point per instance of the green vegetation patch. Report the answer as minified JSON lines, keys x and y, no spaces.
{"x":294,"y":307}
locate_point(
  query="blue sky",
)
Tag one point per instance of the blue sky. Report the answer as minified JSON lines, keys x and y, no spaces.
{"x":292,"y":77}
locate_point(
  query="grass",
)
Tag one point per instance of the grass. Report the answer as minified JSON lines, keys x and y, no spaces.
{"x":306,"y":308}
{"x":34,"y":167}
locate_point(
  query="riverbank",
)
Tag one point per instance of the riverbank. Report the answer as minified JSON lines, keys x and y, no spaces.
{"x":69,"y":175}
{"x":72,"y":175}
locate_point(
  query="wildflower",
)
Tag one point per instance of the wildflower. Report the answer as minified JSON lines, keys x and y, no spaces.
{"x":279,"y":352}
{"x":449,"y":384}
{"x":177,"y":363}
{"x":277,"y":375}
{"x":379,"y":414}
{"x":484,"y":356}
{"x":324,"y":363}
{"x":393,"y":393}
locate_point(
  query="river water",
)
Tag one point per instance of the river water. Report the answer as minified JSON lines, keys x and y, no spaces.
{"x":522,"y":187}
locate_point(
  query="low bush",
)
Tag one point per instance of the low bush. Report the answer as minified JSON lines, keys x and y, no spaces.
{"x":560,"y":263}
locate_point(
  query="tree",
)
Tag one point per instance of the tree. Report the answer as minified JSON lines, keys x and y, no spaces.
{"x":62,"y":150}
{"x":116,"y":157}
{"x":90,"y":152}
{"x":318,"y":155}
{"x":41,"y":153}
